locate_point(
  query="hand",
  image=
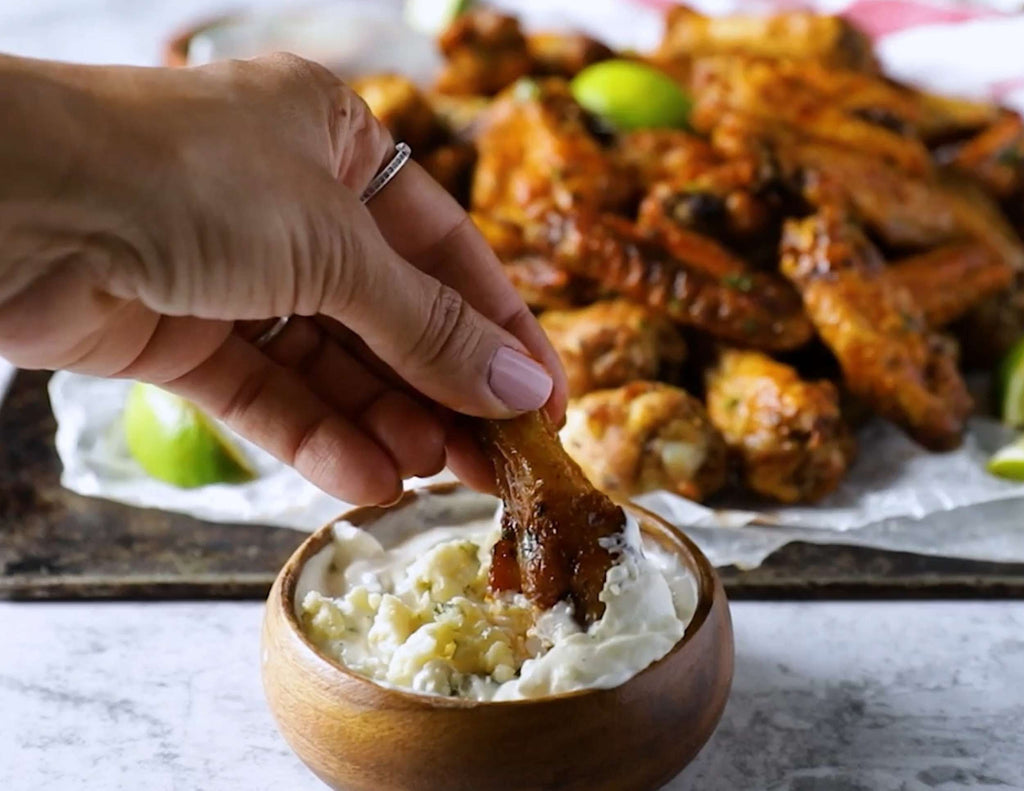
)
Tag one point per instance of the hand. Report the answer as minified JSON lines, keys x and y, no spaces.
{"x":153,"y":222}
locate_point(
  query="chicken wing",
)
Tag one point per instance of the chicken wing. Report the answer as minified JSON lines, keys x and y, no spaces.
{"x":544,"y":286}
{"x":871,"y":114}
{"x":948,"y":281}
{"x":699,"y":221}
{"x":484,"y":51}
{"x":560,"y":527}
{"x":612,"y":343}
{"x":564,"y":54}
{"x":658,"y":221}
{"x":451,"y":166}
{"x":875,"y":329}
{"x":540,"y":283}
{"x":800,"y":35}
{"x":750,"y":309}
{"x":787,"y":434}
{"x":656,"y":155}
{"x":991,"y":329}
{"x":402,"y":108}
{"x":902,"y":209}
{"x":995,"y":158}
{"x":689,"y":185}
{"x":461,"y":115}
{"x":505,"y":238}
{"x":783,"y":92}
{"x":646,"y":436}
{"x":536,"y":151}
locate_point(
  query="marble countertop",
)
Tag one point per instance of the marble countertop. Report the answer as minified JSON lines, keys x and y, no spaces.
{"x":909,"y":696}
{"x":166,"y":696}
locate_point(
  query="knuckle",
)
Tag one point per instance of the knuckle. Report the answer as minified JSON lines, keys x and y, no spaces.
{"x":449,"y":335}
{"x":309,"y":452}
{"x":343,"y":254}
{"x":246,"y":396}
{"x":360,"y":141}
{"x":289,"y":65}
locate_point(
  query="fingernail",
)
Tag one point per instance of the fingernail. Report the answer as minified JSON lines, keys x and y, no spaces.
{"x":519,"y":382}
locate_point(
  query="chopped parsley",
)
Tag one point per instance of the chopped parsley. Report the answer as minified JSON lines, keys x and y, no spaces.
{"x":1012,"y":156}
{"x":739,"y":282}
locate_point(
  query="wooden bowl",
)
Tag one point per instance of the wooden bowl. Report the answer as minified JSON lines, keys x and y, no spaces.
{"x":359,"y":736}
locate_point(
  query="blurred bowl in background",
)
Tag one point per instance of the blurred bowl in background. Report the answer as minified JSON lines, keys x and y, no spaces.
{"x":348,"y":36}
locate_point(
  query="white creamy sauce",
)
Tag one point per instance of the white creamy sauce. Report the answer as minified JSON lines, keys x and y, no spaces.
{"x":417,"y":615}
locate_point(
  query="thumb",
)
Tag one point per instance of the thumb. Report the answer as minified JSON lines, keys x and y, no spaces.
{"x":425,"y":330}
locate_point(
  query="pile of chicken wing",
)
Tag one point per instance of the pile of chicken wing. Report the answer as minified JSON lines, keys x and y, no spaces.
{"x":822,"y":244}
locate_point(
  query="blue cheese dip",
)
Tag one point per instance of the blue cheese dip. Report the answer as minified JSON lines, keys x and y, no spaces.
{"x":414,"y":613}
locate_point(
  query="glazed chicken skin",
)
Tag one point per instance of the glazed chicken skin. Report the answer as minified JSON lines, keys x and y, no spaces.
{"x":612,"y":343}
{"x":451,"y":166}
{"x":947,"y":282}
{"x":656,"y":155}
{"x":732,"y":203}
{"x":484,"y":51}
{"x":726,"y":230}
{"x":798,"y":35}
{"x":993,"y":326}
{"x":536,"y":152}
{"x":461,"y":115}
{"x":903,"y":209}
{"x":875,"y":329}
{"x":753,"y":309}
{"x":876,"y":116}
{"x":564,"y":54}
{"x":781,"y":92}
{"x":646,"y":436}
{"x":402,"y":108}
{"x":557,"y":529}
{"x":544,"y":286}
{"x":995,"y":157}
{"x":540,"y":283}
{"x":787,"y":435}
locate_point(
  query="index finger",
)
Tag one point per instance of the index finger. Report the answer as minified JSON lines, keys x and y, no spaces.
{"x":427,"y":227}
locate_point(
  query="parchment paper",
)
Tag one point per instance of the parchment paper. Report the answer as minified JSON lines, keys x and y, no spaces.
{"x":90,"y":443}
{"x":897,"y":496}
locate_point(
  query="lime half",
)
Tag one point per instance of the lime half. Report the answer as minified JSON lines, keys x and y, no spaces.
{"x":1009,"y":462}
{"x":175,"y":442}
{"x":433,"y":16}
{"x":1009,"y":386}
{"x":628,"y":95}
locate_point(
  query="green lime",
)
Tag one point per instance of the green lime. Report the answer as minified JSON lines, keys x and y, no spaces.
{"x":175,"y":442}
{"x":433,"y":16}
{"x":631,"y":95}
{"x":1009,"y":461}
{"x":1009,"y":386}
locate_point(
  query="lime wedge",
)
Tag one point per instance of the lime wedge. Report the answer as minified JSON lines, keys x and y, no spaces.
{"x":433,"y":16}
{"x":175,"y":442}
{"x":1009,"y":461}
{"x":631,"y":95}
{"x":1009,"y":386}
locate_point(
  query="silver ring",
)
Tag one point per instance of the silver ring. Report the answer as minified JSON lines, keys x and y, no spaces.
{"x":388,"y":172}
{"x":272,"y":332}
